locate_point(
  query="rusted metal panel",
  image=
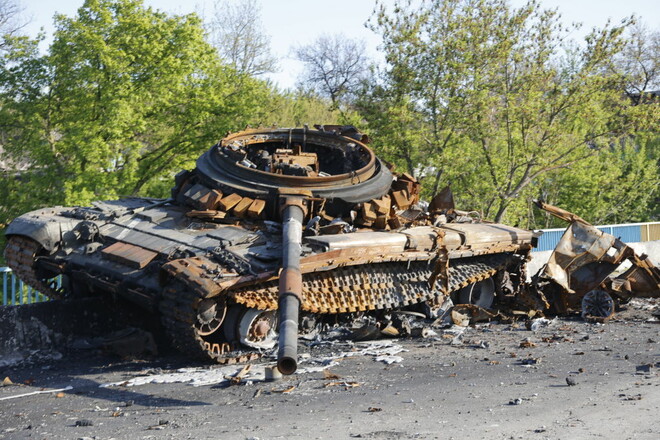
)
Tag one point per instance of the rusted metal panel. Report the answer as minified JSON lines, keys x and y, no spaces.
{"x":128,"y":254}
{"x":580,"y":245}
{"x":423,"y":238}
{"x":481,"y":234}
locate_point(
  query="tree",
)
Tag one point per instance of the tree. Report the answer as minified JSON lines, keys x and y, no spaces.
{"x":497,"y":96}
{"x":237,"y":33}
{"x":614,"y":186}
{"x":334,"y":66}
{"x":298,"y":108}
{"x":638,"y":63}
{"x":125,"y":97}
{"x":10,"y":18}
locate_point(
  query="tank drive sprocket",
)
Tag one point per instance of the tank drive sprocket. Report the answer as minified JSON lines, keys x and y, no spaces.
{"x":21,"y":253}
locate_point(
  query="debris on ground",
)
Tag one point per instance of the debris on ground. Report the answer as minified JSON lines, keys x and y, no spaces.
{"x":527,"y":343}
{"x":237,"y":378}
{"x":539,"y":323}
{"x":328,"y":375}
{"x":286,"y":390}
{"x":345,"y":384}
{"x":381,"y":351}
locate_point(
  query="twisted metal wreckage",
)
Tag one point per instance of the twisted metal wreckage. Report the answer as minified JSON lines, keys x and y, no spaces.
{"x":284,"y":232}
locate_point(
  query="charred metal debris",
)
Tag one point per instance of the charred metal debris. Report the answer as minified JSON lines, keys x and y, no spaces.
{"x":284,"y":233}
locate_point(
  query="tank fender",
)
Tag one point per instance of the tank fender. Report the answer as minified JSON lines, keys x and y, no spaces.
{"x":46,"y":228}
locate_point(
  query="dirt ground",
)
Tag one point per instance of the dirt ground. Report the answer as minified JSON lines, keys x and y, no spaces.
{"x":490,"y":381}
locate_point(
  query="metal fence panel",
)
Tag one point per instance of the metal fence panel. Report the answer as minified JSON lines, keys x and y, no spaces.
{"x":625,"y":233}
{"x":549,"y":240}
{"x":15,"y":292}
{"x":630,"y":233}
{"x":650,"y":231}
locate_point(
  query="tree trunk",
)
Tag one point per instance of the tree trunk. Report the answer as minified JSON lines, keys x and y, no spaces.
{"x":504,"y":204}
{"x":436,"y":184}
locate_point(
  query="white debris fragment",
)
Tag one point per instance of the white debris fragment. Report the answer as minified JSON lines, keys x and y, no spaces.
{"x":194,"y":376}
{"x":539,"y":323}
{"x":316,"y":369}
{"x":389,"y":360}
{"x":59,"y":390}
{"x":455,"y":330}
{"x":380,"y":348}
{"x":429,"y":333}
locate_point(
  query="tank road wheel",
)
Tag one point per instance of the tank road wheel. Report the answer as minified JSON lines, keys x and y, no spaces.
{"x":597,"y":304}
{"x":198,"y":326}
{"x":258,"y":328}
{"x":210,"y":315}
{"x":481,"y":293}
{"x":230,"y":329}
{"x":251,"y":327}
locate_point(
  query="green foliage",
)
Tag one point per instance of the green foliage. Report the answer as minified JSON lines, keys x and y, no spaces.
{"x":125,"y":97}
{"x":612,"y":186}
{"x":495,"y":101}
{"x":295,"y":109}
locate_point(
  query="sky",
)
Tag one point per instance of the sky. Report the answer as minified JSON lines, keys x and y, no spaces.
{"x":291,"y":23}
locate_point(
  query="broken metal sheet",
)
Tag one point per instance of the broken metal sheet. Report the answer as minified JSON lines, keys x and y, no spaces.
{"x":37,"y":392}
{"x":642,"y":279}
{"x":473,"y":312}
{"x":485,"y":234}
{"x":443,"y":201}
{"x":581,"y":245}
{"x":381,"y":351}
{"x":193,"y":376}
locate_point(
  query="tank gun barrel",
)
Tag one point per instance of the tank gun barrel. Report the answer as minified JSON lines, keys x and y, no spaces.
{"x":290,"y":286}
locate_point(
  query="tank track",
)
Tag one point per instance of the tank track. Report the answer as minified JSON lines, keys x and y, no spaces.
{"x":372,"y":286}
{"x":178,"y":314}
{"x":20,"y":254}
{"x":344,"y":290}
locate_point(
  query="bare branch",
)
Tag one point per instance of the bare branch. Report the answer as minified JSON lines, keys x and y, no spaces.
{"x":237,"y":33}
{"x":334,"y":66}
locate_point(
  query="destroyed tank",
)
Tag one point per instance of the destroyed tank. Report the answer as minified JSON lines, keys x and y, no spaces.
{"x":276,"y":233}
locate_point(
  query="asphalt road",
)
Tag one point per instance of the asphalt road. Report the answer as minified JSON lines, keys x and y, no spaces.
{"x":493,"y":381}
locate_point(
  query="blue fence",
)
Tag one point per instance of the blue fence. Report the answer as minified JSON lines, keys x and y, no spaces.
{"x":630,"y":233}
{"x":15,"y":292}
